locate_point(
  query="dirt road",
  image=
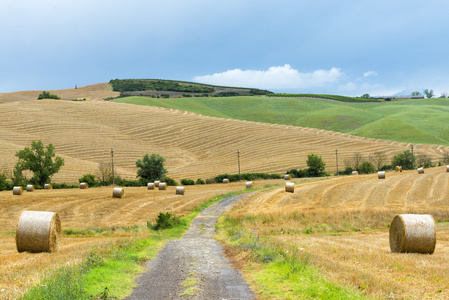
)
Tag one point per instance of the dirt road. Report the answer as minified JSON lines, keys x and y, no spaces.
{"x":194,"y":266}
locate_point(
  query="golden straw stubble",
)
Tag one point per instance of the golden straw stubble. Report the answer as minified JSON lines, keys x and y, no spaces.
{"x":412,"y":233}
{"x":38,"y":231}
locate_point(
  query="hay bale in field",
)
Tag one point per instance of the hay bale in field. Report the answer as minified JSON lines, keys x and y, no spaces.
{"x":17,"y":190}
{"x":226,"y":180}
{"x":84,"y":185}
{"x":249,"y":184}
{"x":38,"y":231}
{"x":355,"y":173}
{"x":30,"y":188}
{"x":413,"y":233}
{"x":290,"y":187}
{"x":398,"y":168}
{"x":287,"y":177}
{"x":150,"y":185}
{"x":381,"y":174}
{"x":447,"y":168}
{"x":156,"y":183}
{"x":48,"y":186}
{"x":421,"y":170}
{"x":162,"y":186}
{"x":179,"y":190}
{"x":118,"y":192}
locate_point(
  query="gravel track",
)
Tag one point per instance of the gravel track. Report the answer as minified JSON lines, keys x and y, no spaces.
{"x":194,"y":266}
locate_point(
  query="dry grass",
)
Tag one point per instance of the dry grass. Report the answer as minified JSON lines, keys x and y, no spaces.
{"x":206,"y":151}
{"x":343,"y":224}
{"x":82,"y":209}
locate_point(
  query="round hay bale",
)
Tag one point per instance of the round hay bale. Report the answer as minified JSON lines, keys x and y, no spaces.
{"x":447,"y":168}
{"x":162,"y":186}
{"x":156,"y":183}
{"x":287,"y":177}
{"x":249,"y":184}
{"x":421,"y":170}
{"x":398,"y":168}
{"x":381,"y":174}
{"x":30,"y":188}
{"x":48,"y":186}
{"x":226,"y":180}
{"x":150,"y":185}
{"x":355,"y":173}
{"x":17,"y":190}
{"x":84,"y":185}
{"x":290,"y":187}
{"x":179,"y":190}
{"x":118,"y":192}
{"x":38,"y":231}
{"x":410,"y":233}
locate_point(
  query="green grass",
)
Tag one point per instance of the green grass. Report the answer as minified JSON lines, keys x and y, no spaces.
{"x":280,"y":271}
{"x":423,"y":121}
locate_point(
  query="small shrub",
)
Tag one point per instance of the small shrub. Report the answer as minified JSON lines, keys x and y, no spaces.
{"x":165,"y":221}
{"x":366,"y":168}
{"x":199,"y":181}
{"x":186,"y":181}
{"x":169,"y":181}
{"x":47,"y":95}
{"x":165,"y":95}
{"x":347,"y":171}
{"x":89,"y":178}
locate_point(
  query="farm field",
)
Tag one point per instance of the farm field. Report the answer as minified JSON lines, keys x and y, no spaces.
{"x":343,"y":224}
{"x":85,"y":209}
{"x":411,"y":121}
{"x":194,"y":146}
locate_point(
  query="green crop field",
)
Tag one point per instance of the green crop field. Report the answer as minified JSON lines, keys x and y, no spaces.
{"x":423,"y":121}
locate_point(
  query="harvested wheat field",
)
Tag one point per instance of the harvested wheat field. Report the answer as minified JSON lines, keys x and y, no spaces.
{"x":85,"y":209}
{"x":84,"y":132}
{"x":343,"y":224}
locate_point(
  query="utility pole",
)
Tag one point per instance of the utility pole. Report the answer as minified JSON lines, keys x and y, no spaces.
{"x":336,"y":158}
{"x":112,"y":157}
{"x":238,"y":159}
{"x":412,"y":156}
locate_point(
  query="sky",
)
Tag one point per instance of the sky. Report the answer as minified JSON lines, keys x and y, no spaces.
{"x":344,"y":47}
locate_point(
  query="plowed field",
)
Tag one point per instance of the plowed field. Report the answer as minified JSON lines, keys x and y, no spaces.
{"x":194,"y":146}
{"x":343,"y":224}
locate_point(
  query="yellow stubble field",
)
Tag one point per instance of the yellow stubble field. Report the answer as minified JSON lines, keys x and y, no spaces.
{"x":343,"y":224}
{"x":85,"y":209}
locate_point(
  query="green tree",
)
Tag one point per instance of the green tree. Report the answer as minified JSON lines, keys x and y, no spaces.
{"x":416,"y":93}
{"x":366,"y":168}
{"x":316,"y":165}
{"x":429,"y":93}
{"x":39,"y":160}
{"x":89,"y":178}
{"x":404,"y":159}
{"x":366,"y":96}
{"x":151,"y":167}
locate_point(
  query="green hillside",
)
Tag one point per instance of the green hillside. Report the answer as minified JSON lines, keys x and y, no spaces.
{"x":423,"y":121}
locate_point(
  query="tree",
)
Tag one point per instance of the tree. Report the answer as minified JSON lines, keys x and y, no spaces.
{"x":404,"y":159}
{"x":105,"y":173}
{"x":378,"y":159}
{"x":38,"y":160}
{"x":416,"y":93}
{"x":316,"y":165}
{"x":89,"y":178}
{"x":424,"y":160}
{"x":366,"y":168}
{"x":428,"y":93}
{"x":151,"y":167}
{"x":444,"y":95}
{"x":366,"y":96}
{"x":354,"y":162}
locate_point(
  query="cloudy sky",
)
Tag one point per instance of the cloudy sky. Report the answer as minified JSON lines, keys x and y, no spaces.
{"x":346,"y":47}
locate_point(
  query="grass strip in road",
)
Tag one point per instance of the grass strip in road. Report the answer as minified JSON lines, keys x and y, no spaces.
{"x":278,"y":271}
{"x":110,"y":271}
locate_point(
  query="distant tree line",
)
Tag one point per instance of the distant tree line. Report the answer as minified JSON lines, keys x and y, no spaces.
{"x":132,"y":85}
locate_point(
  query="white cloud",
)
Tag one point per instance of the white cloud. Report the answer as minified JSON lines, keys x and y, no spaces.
{"x":276,"y":77}
{"x":369,"y":74}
